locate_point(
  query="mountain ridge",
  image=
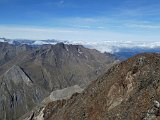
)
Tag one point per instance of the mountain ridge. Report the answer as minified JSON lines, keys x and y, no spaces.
{"x":127,"y":91}
{"x":122,"y":49}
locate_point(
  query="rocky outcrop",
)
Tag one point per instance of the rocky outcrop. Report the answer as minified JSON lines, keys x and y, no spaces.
{"x":58,"y":97}
{"x":128,"y":91}
{"x":65,"y":93}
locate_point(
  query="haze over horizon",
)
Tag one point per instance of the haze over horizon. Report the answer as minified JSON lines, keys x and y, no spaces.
{"x":124,"y":20}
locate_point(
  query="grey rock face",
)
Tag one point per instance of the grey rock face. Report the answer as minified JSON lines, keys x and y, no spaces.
{"x":16,"y":75}
{"x":65,"y":93}
{"x":18,"y":94}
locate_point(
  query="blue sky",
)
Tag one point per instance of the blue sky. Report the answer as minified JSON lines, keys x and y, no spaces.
{"x":90,"y":20}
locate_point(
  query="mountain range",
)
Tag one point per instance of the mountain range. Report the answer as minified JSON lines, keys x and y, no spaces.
{"x":56,"y":80}
{"x":122,"y":49}
{"x":31,"y":42}
{"x":28,"y":74}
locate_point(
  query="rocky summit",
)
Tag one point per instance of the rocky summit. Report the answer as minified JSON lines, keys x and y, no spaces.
{"x":129,"y":90}
{"x":31,"y":74}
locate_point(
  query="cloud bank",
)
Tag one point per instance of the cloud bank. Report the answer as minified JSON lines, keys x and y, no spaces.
{"x":116,"y":46}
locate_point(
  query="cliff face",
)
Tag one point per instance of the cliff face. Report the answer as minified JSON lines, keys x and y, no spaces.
{"x":32,"y":73}
{"x":18,"y":93}
{"x":128,"y":91}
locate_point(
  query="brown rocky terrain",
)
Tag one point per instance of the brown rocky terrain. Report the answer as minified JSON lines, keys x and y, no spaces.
{"x":28,"y":74}
{"x":128,"y":91}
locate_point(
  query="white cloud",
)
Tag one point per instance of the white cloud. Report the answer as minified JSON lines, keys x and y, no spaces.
{"x":57,"y":33}
{"x":101,"y":40}
{"x":143,"y":26}
{"x":116,"y":46}
{"x":73,"y":34}
{"x":105,"y":23}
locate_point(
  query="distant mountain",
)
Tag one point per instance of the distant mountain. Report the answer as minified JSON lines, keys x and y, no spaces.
{"x":31,"y":42}
{"x":122,"y":49}
{"x":28,"y":74}
{"x":128,"y":91}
